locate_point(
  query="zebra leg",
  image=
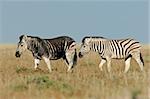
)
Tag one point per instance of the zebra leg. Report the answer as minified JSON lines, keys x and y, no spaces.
{"x":47,"y":61}
{"x":109,"y":64}
{"x":127,"y":64}
{"x":139,"y":60}
{"x":36,"y":63}
{"x":66,"y":62}
{"x":101,"y":64}
{"x":71,"y":56}
{"x":69,"y":60}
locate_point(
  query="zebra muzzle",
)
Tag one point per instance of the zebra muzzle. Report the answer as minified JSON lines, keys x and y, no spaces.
{"x":17,"y":54}
{"x":80,"y":55}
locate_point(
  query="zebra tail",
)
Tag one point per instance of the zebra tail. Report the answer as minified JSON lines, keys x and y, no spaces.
{"x":141,"y":59}
{"x":75,"y":58}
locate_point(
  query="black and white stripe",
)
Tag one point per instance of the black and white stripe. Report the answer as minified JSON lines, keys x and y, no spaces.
{"x":109,"y":49}
{"x":49,"y":49}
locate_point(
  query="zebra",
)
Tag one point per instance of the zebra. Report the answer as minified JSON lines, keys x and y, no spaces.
{"x":113,"y":49}
{"x":49,"y":49}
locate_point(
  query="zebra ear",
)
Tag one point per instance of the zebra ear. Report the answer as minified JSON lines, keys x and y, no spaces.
{"x":21,"y":37}
{"x":89,"y":41}
{"x":25,"y":37}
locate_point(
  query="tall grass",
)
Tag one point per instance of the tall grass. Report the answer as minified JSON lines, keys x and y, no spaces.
{"x":19,"y":80}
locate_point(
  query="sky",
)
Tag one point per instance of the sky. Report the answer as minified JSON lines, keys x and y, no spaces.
{"x":114,"y":19}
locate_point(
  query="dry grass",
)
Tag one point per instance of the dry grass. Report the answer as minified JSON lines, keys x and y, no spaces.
{"x":18,"y":80}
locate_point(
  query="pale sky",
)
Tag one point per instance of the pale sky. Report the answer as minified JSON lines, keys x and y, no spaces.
{"x":114,"y":19}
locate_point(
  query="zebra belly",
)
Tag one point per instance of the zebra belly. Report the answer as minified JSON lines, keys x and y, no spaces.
{"x":57,"y":55}
{"x":114,"y":56}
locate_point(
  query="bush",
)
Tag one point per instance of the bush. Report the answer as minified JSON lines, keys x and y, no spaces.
{"x":43,"y":82}
{"x":135,"y":93}
{"x":19,"y":87}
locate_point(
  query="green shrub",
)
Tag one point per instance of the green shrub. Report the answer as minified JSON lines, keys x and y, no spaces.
{"x":65,"y":88}
{"x":135,"y":93}
{"x":19,"y":87}
{"x":41,"y":82}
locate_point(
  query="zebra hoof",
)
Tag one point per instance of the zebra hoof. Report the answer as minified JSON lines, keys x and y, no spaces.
{"x":36,"y":68}
{"x":101,"y":69}
{"x":70,"y":71}
{"x":50,"y":71}
{"x":125,"y":72}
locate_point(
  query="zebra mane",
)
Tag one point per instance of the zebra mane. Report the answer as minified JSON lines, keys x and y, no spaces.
{"x":93,"y":37}
{"x":35,"y":37}
{"x":36,"y":41}
{"x":21,"y":37}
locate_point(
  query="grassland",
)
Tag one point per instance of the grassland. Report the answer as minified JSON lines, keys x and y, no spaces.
{"x":19,"y":80}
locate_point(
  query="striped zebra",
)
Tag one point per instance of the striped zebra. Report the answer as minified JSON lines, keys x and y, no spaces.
{"x":49,"y":49}
{"x":113,"y":49}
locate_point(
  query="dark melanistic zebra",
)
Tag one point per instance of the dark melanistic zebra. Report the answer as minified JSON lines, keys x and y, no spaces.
{"x":109,"y":49}
{"x":49,"y":49}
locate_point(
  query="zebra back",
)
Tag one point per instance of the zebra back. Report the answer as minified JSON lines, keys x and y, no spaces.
{"x":118,"y":48}
{"x":58,"y":46}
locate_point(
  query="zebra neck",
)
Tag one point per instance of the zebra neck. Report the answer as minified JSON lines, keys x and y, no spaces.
{"x":29,"y":46}
{"x":32,"y":45}
{"x":97,"y":46}
{"x":93,"y":47}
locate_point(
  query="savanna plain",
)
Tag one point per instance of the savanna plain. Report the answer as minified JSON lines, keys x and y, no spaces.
{"x":19,"y":80}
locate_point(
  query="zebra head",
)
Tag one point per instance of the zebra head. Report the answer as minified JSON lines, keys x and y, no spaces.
{"x":85,"y":47}
{"x":22,"y":45}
